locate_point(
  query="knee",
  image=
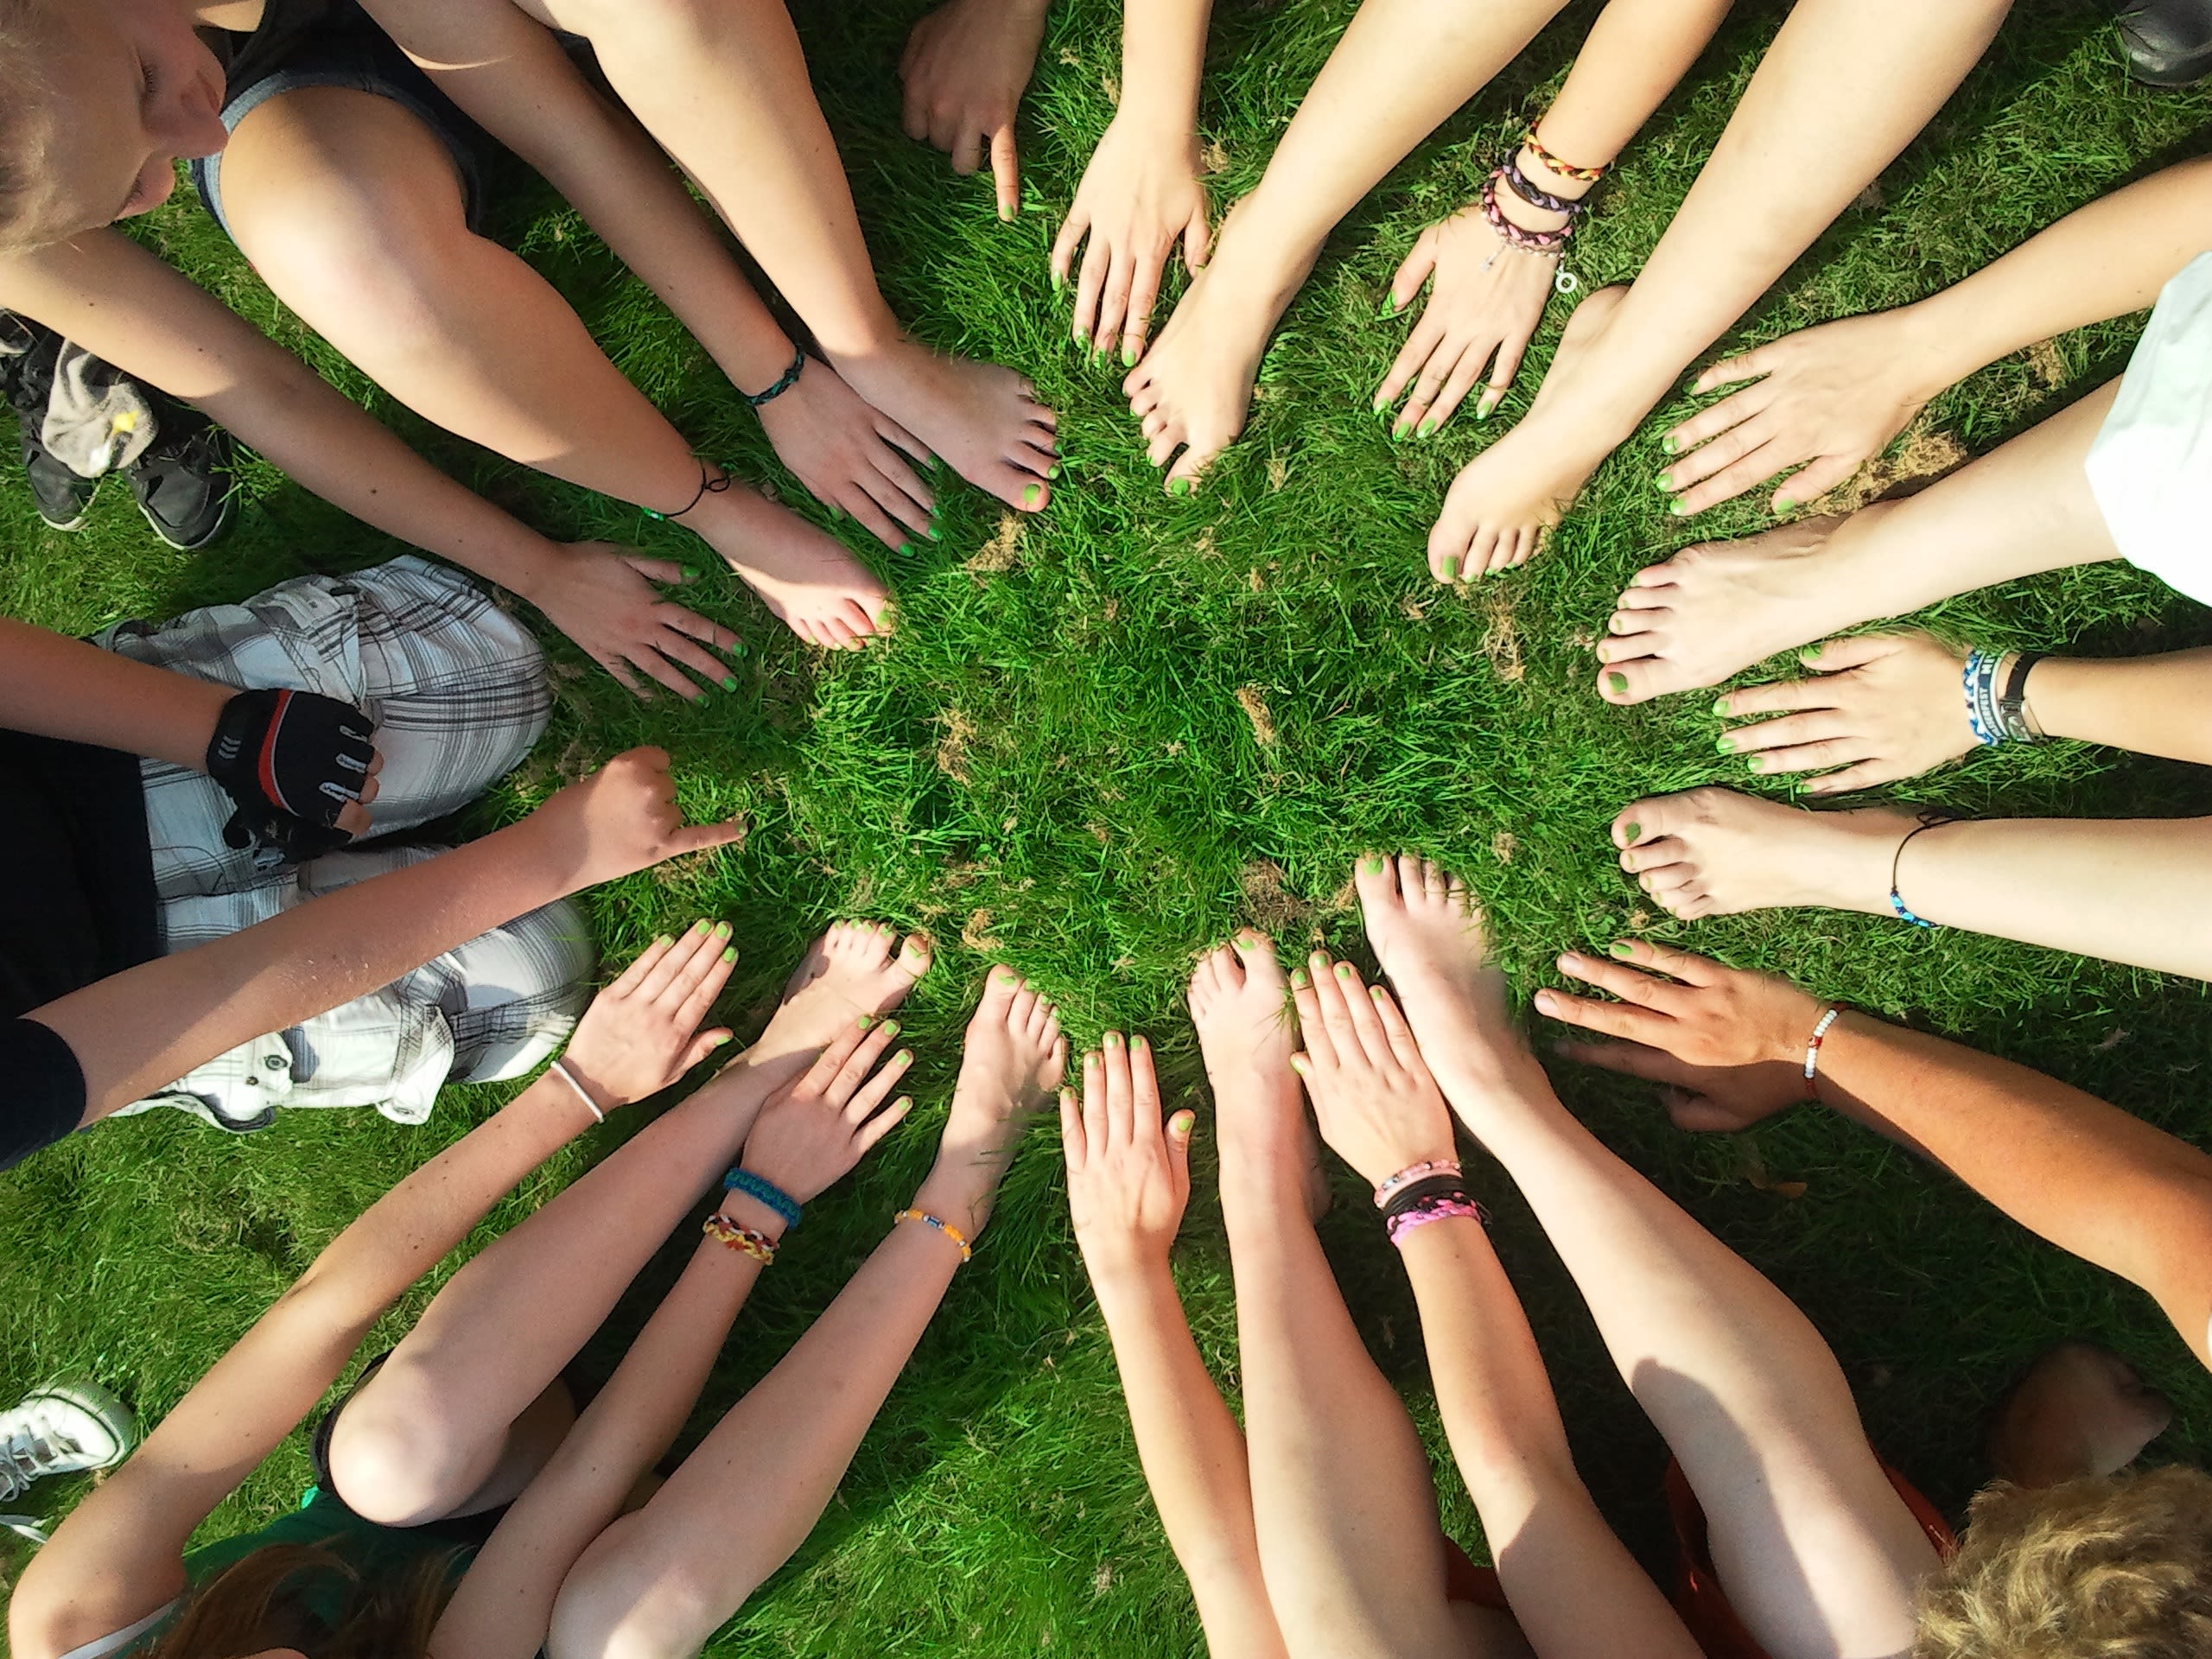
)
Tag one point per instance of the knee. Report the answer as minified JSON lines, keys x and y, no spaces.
{"x":349,"y":254}
{"x":614,"y":1605}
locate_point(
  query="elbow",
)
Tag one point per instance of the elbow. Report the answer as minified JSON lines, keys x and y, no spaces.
{"x":629,"y":1597}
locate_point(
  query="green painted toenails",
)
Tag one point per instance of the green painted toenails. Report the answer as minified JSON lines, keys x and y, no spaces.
{"x":1622,"y":949}
{"x":1633,"y":831}
{"x":1720,"y":705}
{"x":1669,"y":444}
{"x":1616,"y":681}
{"x":1680,"y":506}
{"x":1664,"y":483}
{"x":1179,"y":487}
{"x":729,"y":682}
{"x":1371,"y":865}
{"x":1031,"y":494}
{"x":1724,"y":743}
{"x":1450,"y":565}
{"x":1389,"y":307}
{"x":1129,"y":356}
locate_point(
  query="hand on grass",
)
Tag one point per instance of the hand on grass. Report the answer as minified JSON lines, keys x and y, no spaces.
{"x":851,"y":456}
{"x":1880,"y":706}
{"x":641,"y":1033}
{"x":1140,"y":195}
{"x":1129,"y":1175}
{"x":1377,"y":1106}
{"x":811,"y":1132}
{"x":1825,"y":399}
{"x":1483,"y":310}
{"x":965,"y":67}
{"x":604,"y":600}
{"x":621,"y":819}
{"x":1727,"y":1047}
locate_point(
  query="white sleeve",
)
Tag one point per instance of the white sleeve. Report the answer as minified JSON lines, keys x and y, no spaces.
{"x":108,"y":1645}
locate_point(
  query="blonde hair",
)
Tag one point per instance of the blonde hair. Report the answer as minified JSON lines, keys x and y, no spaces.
{"x":251,"y":1606}
{"x":32,"y":210}
{"x":2107,"y":1567}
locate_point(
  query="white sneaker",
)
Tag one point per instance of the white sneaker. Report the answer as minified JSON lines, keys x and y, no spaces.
{"x":66,"y":1429}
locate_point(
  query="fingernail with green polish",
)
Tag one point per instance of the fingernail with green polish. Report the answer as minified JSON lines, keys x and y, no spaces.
{"x":866,"y":1020}
{"x":1616,"y":681}
{"x":1298,"y":978}
{"x":1720,"y":705}
{"x":1129,"y":356}
{"x":1488,"y":406}
{"x":1663,"y":483}
{"x":1669,"y":444}
{"x":665,"y":940}
{"x":701,"y":925}
{"x":1030,"y":493}
{"x":722,"y":930}
{"x":1724,"y":743}
{"x":729,"y":682}
{"x":891,"y":1027}
{"x":1389,"y":306}
{"x":1783,"y":503}
{"x":1426,"y":427}
{"x":1757,"y":763}
{"x":1052,"y":471}
{"x":1344,"y":970}
{"x":1679,"y":506}
{"x":1620,"y":947}
{"x":730,"y":954}
{"x":1113,"y":1039}
{"x":905,"y":548}
{"x":725,"y":1038}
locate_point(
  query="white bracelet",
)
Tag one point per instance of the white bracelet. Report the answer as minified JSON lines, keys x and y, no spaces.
{"x":590,"y":1105}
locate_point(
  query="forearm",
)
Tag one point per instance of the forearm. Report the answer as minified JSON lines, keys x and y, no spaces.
{"x":59,"y":687}
{"x":135,"y":1030}
{"x":1636,"y":51}
{"x":1163,"y":60}
{"x":1573,"y":1588}
{"x":2153,"y":705}
{"x":1194,"y":1459}
{"x":2084,"y":1174}
{"x":2101,"y":261}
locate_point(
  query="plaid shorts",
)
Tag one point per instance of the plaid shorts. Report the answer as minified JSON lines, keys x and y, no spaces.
{"x":458,"y":690}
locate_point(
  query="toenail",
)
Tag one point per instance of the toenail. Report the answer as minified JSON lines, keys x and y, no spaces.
{"x":1451,"y":564}
{"x":1617,"y":682}
{"x":1757,"y":763}
{"x":722,"y":930}
{"x":1634,"y":832}
{"x":891,"y":1028}
{"x":1426,"y":427}
{"x":1371,"y":865}
{"x":1030,"y":493}
{"x":1179,"y":487}
{"x":1621,"y":948}
{"x":1783,"y":503}
{"x":701,"y":925}
{"x":1679,"y":506}
{"x":665,"y":940}
{"x":1113,"y":1039}
{"x":1298,"y":978}
{"x":1052,"y":471}
{"x":1129,"y":356}
{"x":729,"y":682}
{"x":1344,"y":970}
{"x":1389,"y":306}
{"x":935,"y":534}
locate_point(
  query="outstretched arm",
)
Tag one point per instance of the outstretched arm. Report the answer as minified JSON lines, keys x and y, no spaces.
{"x":1129,"y":1181}
{"x":1830,"y":397}
{"x":135,"y":1030}
{"x":964,"y":69}
{"x":1728,"y":1048}
{"x":119,"y":1554}
{"x":121,"y":303}
{"x":59,"y":687}
{"x":1573,"y":1587}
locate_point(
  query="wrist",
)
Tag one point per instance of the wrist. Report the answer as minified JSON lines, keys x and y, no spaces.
{"x":1124,"y":1266}
{"x":1159,"y":118}
{"x":1792,"y":1032}
{"x":1551,"y":182}
{"x":746,"y":1210}
{"x":200,"y":705}
{"x":1936,"y":344}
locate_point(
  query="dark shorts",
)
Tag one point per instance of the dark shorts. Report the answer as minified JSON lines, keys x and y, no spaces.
{"x":344,"y":47}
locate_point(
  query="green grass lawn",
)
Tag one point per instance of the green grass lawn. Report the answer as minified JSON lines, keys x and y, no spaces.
{"x":1053,"y":763}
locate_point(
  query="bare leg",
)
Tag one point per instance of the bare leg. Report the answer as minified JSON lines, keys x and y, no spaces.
{"x":1402,"y":66}
{"x":350,"y":208}
{"x":1348,"y":1542}
{"x":1844,"y":88}
{"x":2080,"y":1410}
{"x":2131,"y":890}
{"x":722,"y":86}
{"x":1817,"y":1553}
{"x":431,"y":1432}
{"x":658,"y":1582}
{"x":1716,"y":609}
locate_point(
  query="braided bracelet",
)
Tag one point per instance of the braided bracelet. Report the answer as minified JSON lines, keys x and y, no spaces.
{"x":1543,"y":200}
{"x":1540,"y":242}
{"x":744,"y":1240}
{"x":1565,"y":169}
{"x":784,"y":381}
{"x":1443,"y":1207}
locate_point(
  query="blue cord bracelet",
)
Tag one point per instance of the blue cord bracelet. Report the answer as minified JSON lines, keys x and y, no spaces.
{"x":765,"y":1191}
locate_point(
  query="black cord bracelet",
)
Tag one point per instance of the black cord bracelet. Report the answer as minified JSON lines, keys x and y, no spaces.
{"x":784,"y":382}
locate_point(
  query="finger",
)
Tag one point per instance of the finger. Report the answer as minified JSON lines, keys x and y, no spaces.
{"x":1405,"y":285}
{"x":630,"y":978}
{"x":1709,"y":423}
{"x":831,"y":1060}
{"x":1509,"y":354}
{"x":883,"y":486}
{"x":658,"y":668}
{"x":1312,"y":1030}
{"x":1776,"y":697}
{"x":1464,"y":373}
{"x":1144,"y":293}
{"x":1329,"y":990}
{"x":1684,"y":471}
{"x":1006,"y":168}
{"x":1754,"y":365}
{"x":704,"y":981}
{"x":1699,"y":1114}
{"x":703,"y":1044}
{"x":910,"y":447}
{"x":1820,"y":756}
{"x":1073,"y":1140}
{"x":1090,"y":286}
{"x":1787,"y":731}
{"x":1097,"y":1134}
{"x":1815,"y":480}
{"x":910,"y":51}
{"x":861,"y":503}
{"x":1121,"y":1110}
{"x":1179,"y":1129}
{"x":1834,"y":656}
{"x":1433,"y":373}
{"x":1611,"y":1019}
{"x":702,"y":628}
{"x":1617,"y":979}
{"x":698,"y":837}
{"x":967,"y":149}
{"x":1366,"y":1024}
{"x":677,"y":958}
{"x":664,"y":571}
{"x":1065,"y":245}
{"x":623,"y":678}
{"x":1412,"y":357}
{"x":679,"y":648}
{"x":1691,"y":969}
{"x":1755,"y":468}
{"x":1629,"y":1059}
{"x":1396,"y":1030}
{"x":1198,"y":239}
{"x":1144,"y":1093}
{"x":882,"y":1123}
{"x":352,"y":819}
{"x":1113,"y":302}
{"x":871,"y":1093}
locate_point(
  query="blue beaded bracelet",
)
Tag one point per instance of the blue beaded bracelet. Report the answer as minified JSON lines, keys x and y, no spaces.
{"x":764,"y":1192}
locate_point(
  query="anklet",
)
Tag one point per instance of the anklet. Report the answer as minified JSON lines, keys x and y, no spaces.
{"x":582,"y":1093}
{"x":1565,"y":169}
{"x":744,"y":1240}
{"x":939,"y":1224}
{"x":1444,"y":1206}
{"x":784,"y":381}
{"x":1413,"y":1172}
{"x":1928,"y":821}
{"x":766,"y":1193}
{"x":708,"y":485}
{"x":1812,"y":1050}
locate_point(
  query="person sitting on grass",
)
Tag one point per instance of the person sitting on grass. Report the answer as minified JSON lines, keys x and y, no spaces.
{"x":354,"y":184}
{"x":1315,"y":1531}
{"x":193,"y":928}
{"x":464,"y":1505}
{"x":2115,"y":476}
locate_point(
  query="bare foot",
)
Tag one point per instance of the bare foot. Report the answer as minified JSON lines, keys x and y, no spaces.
{"x":2080,"y":1410}
{"x":818,"y":590}
{"x":1194,"y":387}
{"x":983,"y":420}
{"x":1248,"y":1029}
{"x":1711,"y":852}
{"x":1505,"y":498}
{"x":1427,"y":935}
{"x":1715,"y":609}
{"x":1013,"y":1061}
{"x":856,"y":968}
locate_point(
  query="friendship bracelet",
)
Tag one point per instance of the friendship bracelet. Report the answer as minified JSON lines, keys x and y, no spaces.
{"x":937,"y":1223}
{"x":1413,"y":1172}
{"x":1544,"y":200}
{"x":582,"y":1093}
{"x":708,"y":485}
{"x":1565,"y":169}
{"x":1414,"y":1194}
{"x":1928,"y":821}
{"x":766,"y":1192}
{"x":2012,"y":712}
{"x":1812,"y":1050}
{"x":1979,"y":680}
{"x":784,"y":381}
{"x":1539,"y":242}
{"x":1436,"y":1209}
{"x":744,"y":1240}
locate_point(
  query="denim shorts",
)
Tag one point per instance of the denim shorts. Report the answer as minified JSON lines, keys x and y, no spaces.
{"x":343,"y":48}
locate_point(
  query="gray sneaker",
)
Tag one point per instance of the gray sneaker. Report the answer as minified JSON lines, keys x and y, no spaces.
{"x":67,"y":1429}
